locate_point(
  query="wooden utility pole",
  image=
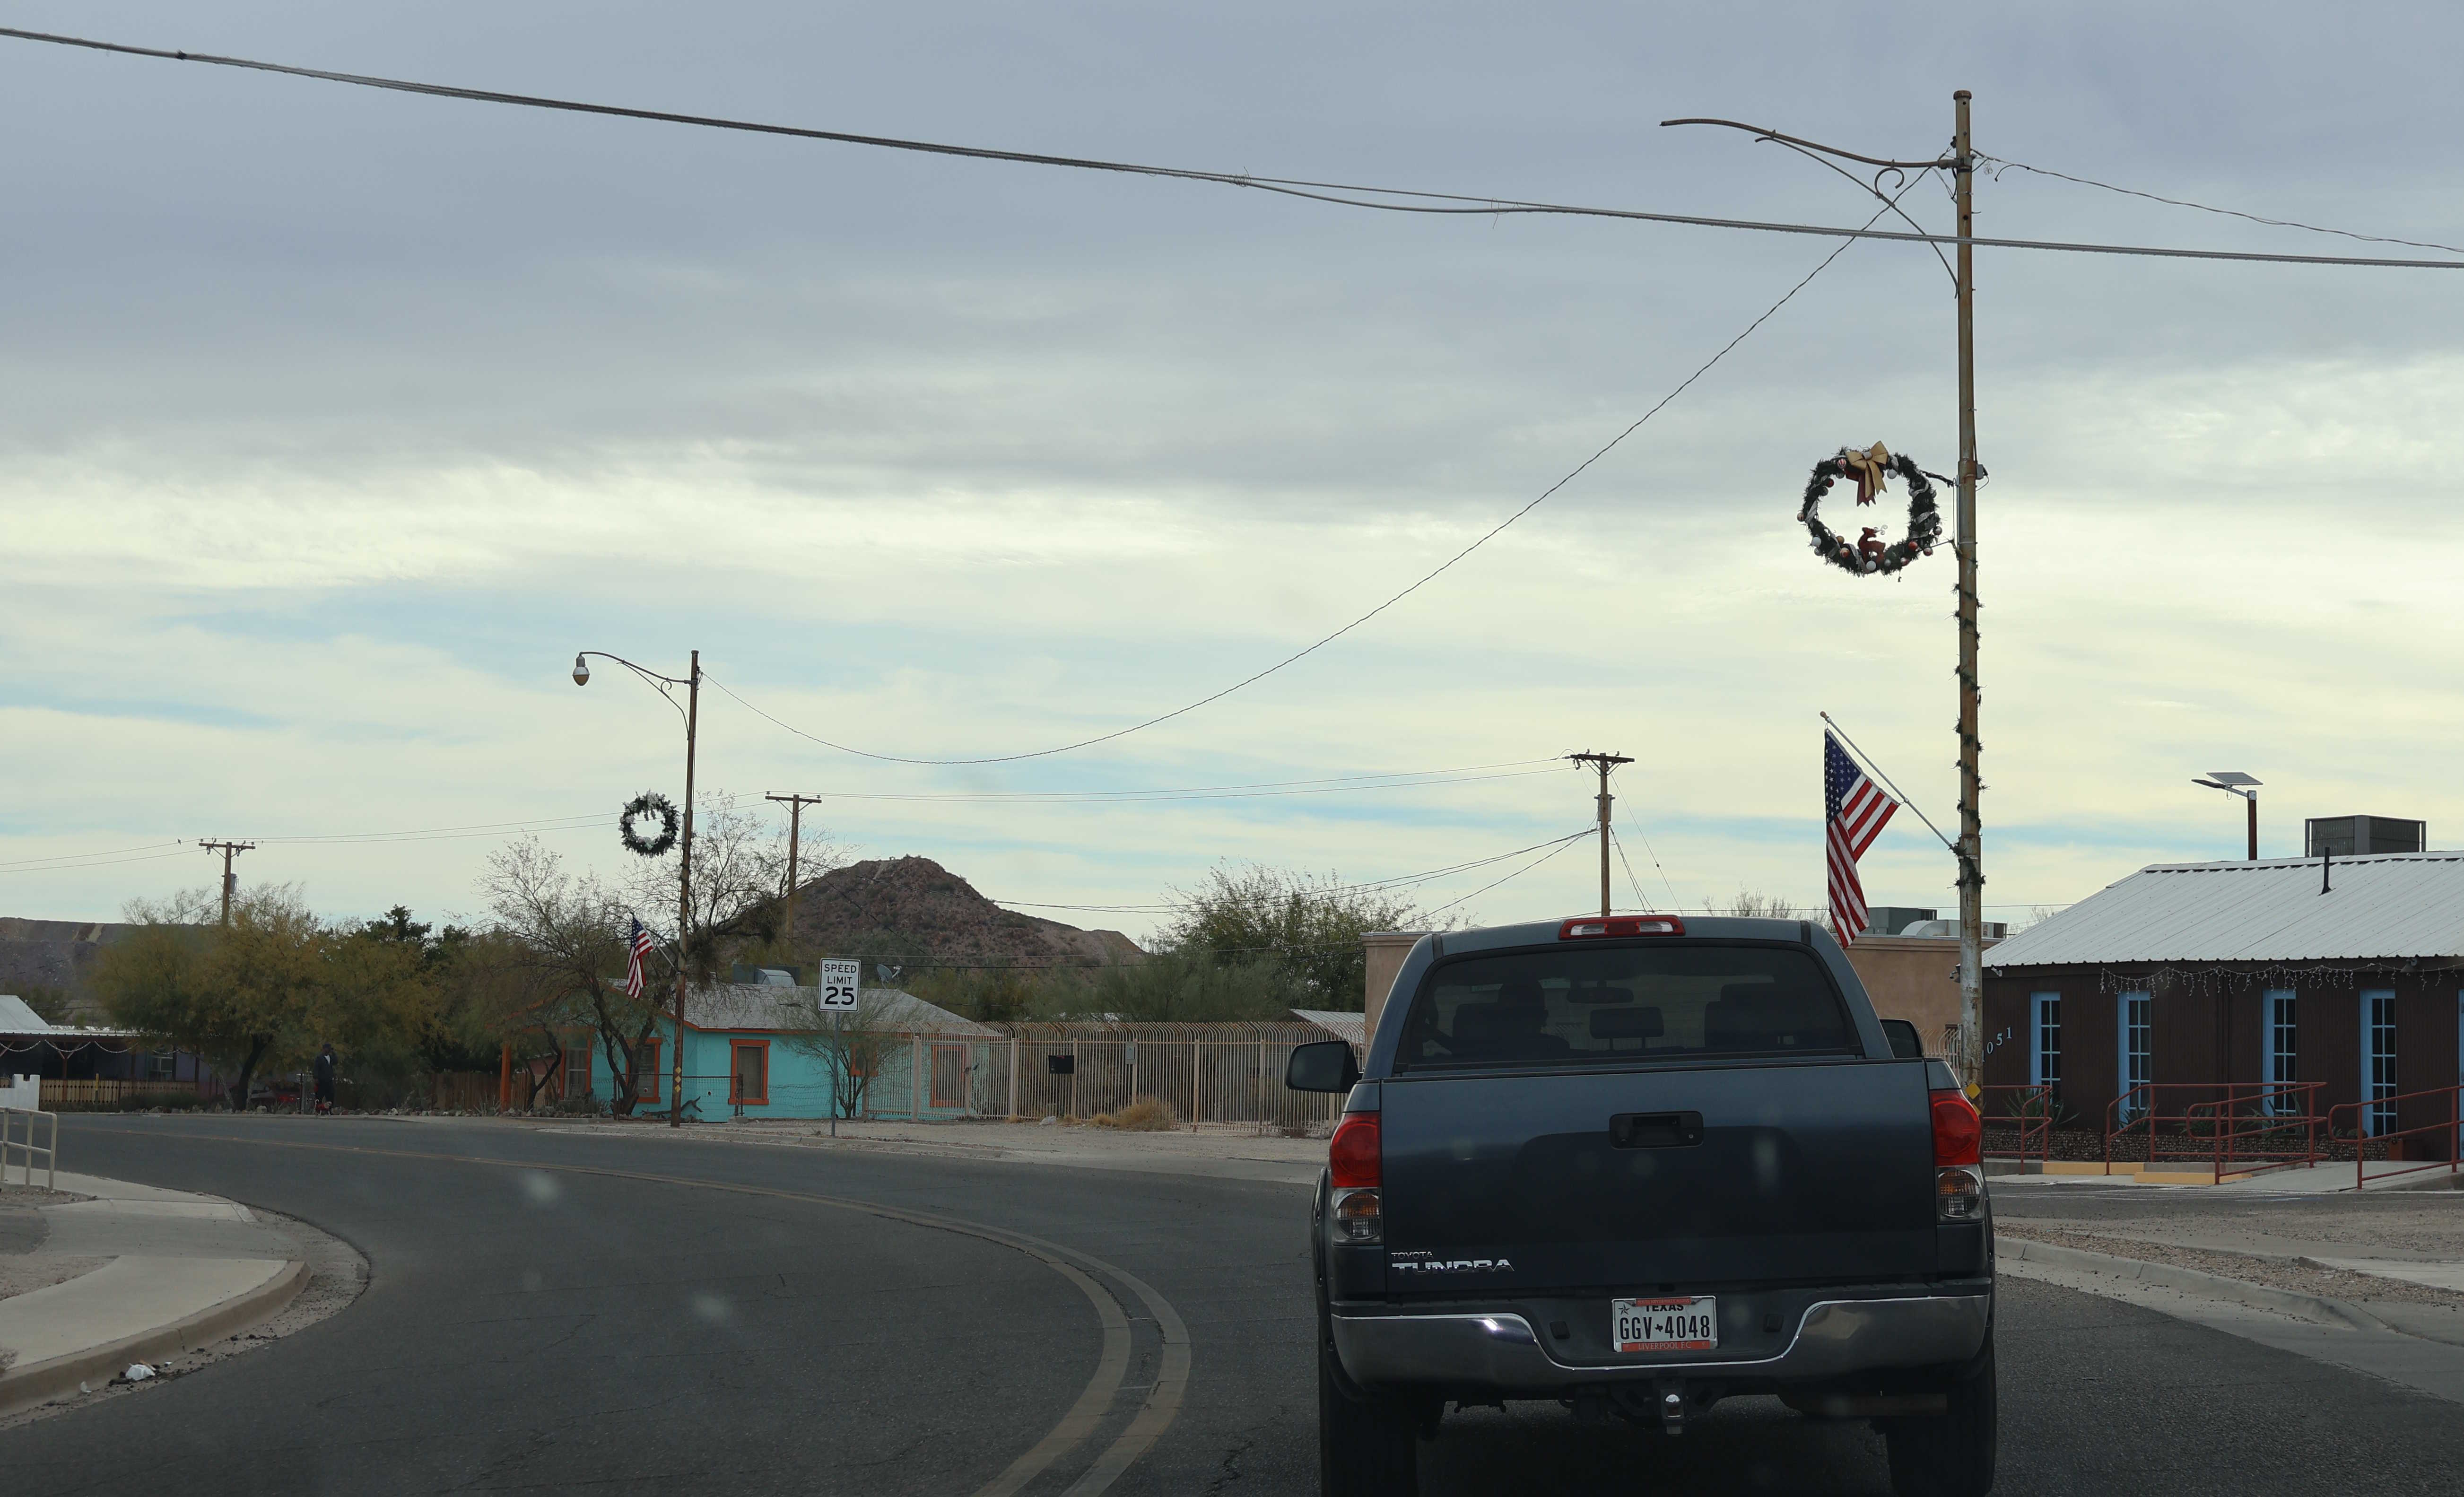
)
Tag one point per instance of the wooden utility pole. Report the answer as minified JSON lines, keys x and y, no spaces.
{"x":796,"y":805}
{"x":230,"y":880}
{"x":684,"y":893}
{"x":1603,"y":762}
{"x":1972,"y":821}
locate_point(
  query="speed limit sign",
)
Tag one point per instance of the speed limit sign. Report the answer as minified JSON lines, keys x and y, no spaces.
{"x":841,"y":983}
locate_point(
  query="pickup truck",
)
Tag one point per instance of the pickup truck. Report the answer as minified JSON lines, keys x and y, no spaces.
{"x":1635,"y":1165}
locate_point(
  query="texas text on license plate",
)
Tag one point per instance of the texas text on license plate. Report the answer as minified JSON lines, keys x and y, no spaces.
{"x":1686,"y":1323}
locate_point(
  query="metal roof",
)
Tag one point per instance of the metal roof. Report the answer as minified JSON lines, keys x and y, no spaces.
{"x":769,"y":1008}
{"x":1337,"y":1022}
{"x":2388,"y":905}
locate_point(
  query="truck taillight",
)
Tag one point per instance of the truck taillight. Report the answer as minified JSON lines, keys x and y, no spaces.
{"x":1355,"y":1152}
{"x":1357,"y":1208}
{"x":1958,"y":1158}
{"x":1958,"y":1133}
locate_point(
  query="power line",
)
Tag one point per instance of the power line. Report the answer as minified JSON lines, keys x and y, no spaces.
{"x":2002,"y":164}
{"x":1451,"y":204}
{"x":101,"y":861}
{"x":1421,"y":581}
{"x":1398,"y":881}
{"x":27,"y":863}
{"x":1562,"y":845}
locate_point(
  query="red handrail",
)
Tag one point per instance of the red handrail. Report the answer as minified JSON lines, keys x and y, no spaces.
{"x":2040,"y":1129}
{"x":2454,"y":1160}
{"x":2220,"y":1106}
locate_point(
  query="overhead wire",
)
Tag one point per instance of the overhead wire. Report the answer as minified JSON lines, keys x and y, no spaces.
{"x":1563,"y":842}
{"x":1453,"y":204}
{"x":1398,"y":881}
{"x":1416,"y":585}
{"x":2003,"y":163}
{"x":148,"y":847}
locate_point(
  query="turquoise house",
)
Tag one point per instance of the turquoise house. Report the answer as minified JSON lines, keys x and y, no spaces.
{"x":751,"y":1052}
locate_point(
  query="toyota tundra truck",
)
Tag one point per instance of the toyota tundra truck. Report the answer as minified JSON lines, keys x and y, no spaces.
{"x":1635,"y":1165}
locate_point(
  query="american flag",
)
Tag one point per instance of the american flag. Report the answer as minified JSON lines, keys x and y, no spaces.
{"x":641,"y":951}
{"x":1854,"y":813}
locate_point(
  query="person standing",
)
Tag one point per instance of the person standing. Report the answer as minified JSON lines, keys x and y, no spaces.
{"x":325,"y":1078}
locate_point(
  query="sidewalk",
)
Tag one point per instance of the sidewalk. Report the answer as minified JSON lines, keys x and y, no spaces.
{"x":103,"y":1273}
{"x":1222,"y":1151}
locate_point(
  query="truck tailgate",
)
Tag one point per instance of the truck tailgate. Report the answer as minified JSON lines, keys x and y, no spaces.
{"x":1735,"y":1174}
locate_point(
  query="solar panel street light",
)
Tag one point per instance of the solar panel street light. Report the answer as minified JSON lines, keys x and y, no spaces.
{"x":2231,"y":782}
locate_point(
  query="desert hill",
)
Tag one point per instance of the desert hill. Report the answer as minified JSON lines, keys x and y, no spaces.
{"x":938,"y":916}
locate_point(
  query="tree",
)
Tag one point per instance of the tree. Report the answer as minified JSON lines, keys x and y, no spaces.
{"x":1307,"y":925}
{"x":451,"y":1041}
{"x":265,"y":990}
{"x":848,"y":1043}
{"x":738,"y":868}
{"x":556,"y":959}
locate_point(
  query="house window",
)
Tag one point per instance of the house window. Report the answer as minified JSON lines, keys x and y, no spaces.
{"x":163,"y":1065}
{"x":748,"y":1075}
{"x":2377,"y":1060}
{"x":2045,"y":1054}
{"x":2283,"y":1051}
{"x":577,"y":1070}
{"x":2132,"y":1021}
{"x":647,"y":1075}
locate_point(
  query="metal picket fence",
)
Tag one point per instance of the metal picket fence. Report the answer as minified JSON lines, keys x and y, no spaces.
{"x":1205,"y":1073}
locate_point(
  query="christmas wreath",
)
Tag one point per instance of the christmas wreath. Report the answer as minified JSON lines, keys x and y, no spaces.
{"x":648,"y":804}
{"x":1869,"y":469}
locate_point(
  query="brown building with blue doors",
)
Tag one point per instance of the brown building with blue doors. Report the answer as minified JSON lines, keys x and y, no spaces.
{"x":2285,"y":987}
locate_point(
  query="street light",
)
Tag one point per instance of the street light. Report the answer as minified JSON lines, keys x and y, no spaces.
{"x":2232,"y":781}
{"x":691,"y":712}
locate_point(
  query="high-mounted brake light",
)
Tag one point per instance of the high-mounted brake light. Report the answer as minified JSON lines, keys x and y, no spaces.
{"x":1620,"y":925}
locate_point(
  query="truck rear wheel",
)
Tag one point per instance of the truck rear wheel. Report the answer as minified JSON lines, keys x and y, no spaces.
{"x":1949,"y":1454}
{"x":1366,"y":1445}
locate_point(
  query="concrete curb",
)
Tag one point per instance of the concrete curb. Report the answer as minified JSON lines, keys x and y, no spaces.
{"x":40,"y":1382}
{"x":2189,"y":1281}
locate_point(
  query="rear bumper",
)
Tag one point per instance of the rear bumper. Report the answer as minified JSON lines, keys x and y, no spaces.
{"x":1499,"y":1350}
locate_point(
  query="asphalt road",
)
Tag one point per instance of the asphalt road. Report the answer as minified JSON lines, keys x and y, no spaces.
{"x":555,"y":1312}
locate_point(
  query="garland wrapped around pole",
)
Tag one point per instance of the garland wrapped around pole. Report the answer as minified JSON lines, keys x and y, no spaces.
{"x":650,"y":803}
{"x":1868,"y":556}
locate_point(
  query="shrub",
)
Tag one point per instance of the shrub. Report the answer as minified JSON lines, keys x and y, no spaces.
{"x":1143,"y":1115}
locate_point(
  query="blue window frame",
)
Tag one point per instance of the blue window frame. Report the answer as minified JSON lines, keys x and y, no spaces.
{"x":2045,"y":1041}
{"x":2378,"y":1060}
{"x":2283,"y":1058}
{"x":2132,"y":1027}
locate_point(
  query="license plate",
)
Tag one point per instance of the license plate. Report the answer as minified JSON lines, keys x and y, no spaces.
{"x":1687,"y":1323}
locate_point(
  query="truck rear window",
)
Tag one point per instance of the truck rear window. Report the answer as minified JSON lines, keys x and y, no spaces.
{"x":1590,"y":1005}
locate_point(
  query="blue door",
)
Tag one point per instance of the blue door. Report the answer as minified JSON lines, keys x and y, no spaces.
{"x":2377,"y":1060}
{"x":2132,"y":1023}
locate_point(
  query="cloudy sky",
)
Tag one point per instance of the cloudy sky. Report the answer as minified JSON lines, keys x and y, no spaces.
{"x":337,"y":420}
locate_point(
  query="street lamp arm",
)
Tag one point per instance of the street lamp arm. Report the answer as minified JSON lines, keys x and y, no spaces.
{"x":659,"y":683}
{"x":1813,"y":146}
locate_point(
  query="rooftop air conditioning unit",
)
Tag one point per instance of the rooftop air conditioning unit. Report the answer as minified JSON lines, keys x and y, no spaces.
{"x":2357,"y":836}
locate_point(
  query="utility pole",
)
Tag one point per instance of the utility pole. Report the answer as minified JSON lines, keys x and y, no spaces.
{"x":796,"y":805}
{"x":1972,"y":821}
{"x":1603,"y":762}
{"x":230,"y":880}
{"x":684,"y":893}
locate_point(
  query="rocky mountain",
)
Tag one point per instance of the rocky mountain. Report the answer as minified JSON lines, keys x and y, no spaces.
{"x":915,"y":908}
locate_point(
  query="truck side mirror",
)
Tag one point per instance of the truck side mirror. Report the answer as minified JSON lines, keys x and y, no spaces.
{"x":1905,"y":1042}
{"x":1325,"y":1066}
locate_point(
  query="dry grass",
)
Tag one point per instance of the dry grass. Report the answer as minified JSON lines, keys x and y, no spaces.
{"x":1143,"y":1115}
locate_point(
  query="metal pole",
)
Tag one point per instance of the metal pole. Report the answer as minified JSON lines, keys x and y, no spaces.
{"x":2253,"y":826}
{"x":1013,"y":1078}
{"x":1971,"y":823}
{"x":684,"y":893}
